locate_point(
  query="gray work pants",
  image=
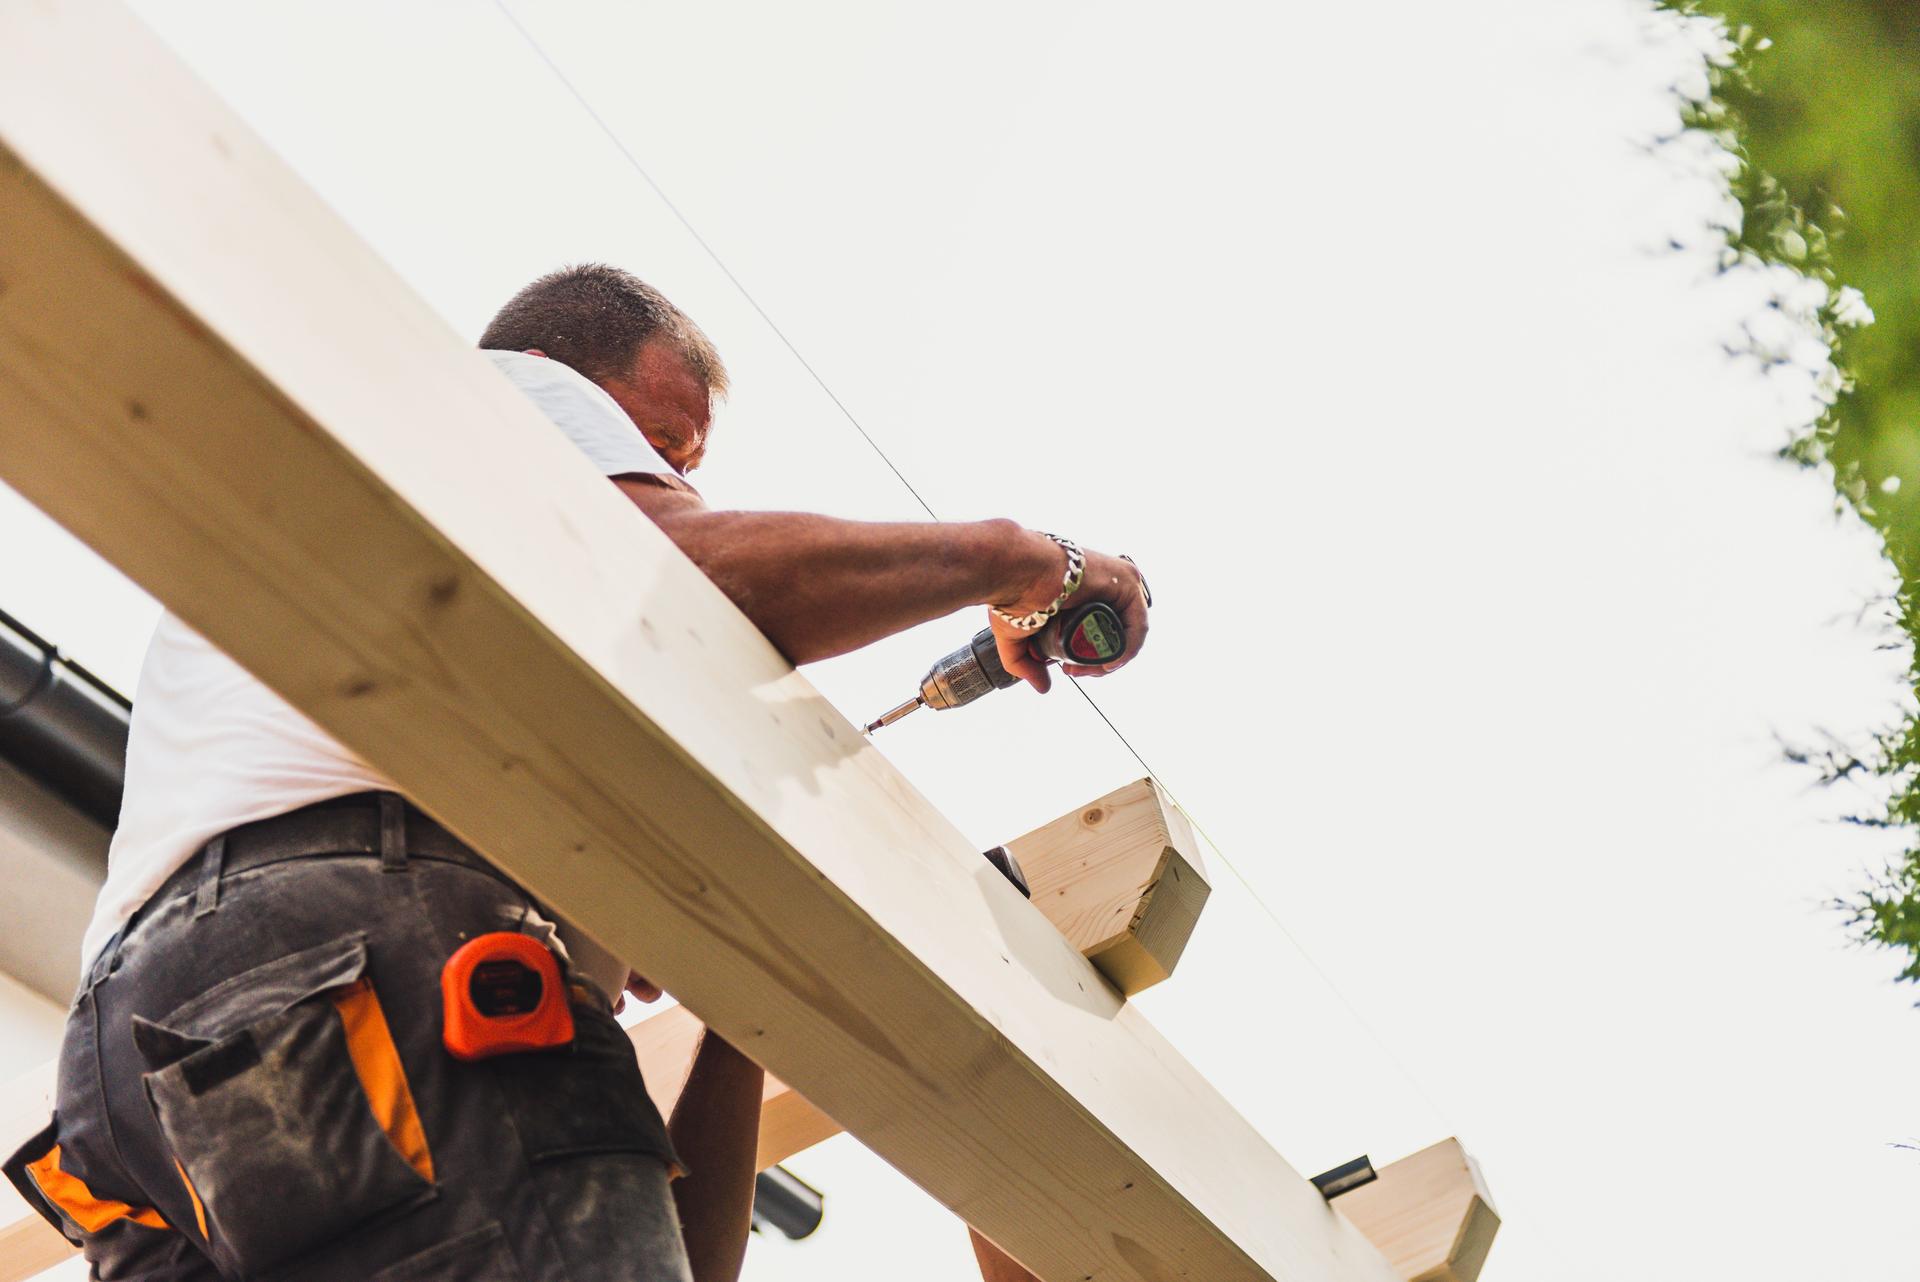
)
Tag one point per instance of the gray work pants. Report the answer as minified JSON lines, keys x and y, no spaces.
{"x":253,"y":1085}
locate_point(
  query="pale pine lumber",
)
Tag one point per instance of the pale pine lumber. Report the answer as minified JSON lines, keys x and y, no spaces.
{"x":665,"y":1045}
{"x":1122,"y":879}
{"x":28,"y":1244}
{"x":209,"y":379}
{"x":1102,"y":869}
{"x":1430,"y":1214}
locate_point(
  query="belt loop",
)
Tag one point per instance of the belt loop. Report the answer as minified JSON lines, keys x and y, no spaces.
{"x":393,"y":833}
{"x":213,"y":859}
{"x":103,"y":965}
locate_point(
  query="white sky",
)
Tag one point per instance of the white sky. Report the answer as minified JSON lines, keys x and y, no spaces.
{"x":1480,"y":593}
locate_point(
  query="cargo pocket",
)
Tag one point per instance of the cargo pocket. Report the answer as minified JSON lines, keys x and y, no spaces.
{"x":110,"y":1229}
{"x":583,"y":1098}
{"x":282,"y":1097}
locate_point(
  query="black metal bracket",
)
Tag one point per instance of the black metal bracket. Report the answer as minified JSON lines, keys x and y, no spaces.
{"x":1346,"y":1177}
{"x":1002,"y":858}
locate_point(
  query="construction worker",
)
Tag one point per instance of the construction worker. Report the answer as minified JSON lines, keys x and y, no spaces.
{"x":262,"y":1074}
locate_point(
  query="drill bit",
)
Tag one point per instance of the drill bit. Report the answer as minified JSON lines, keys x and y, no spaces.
{"x":899,"y":712}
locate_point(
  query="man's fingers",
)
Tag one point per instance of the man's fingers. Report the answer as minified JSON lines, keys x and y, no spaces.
{"x":1016,"y":656}
{"x":642,"y":988}
{"x":1034,"y":673}
{"x":1135,"y":619}
{"x":1134,"y":613}
{"x":1118,"y":582}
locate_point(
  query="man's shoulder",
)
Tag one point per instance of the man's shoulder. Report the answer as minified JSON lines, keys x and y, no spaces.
{"x":526,"y":369}
{"x":584,"y":411}
{"x":569,"y":397}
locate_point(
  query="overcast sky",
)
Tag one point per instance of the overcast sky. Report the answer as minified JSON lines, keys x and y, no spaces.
{"x":1481,"y":596}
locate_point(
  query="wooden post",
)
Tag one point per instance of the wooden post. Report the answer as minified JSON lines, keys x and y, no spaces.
{"x":666,"y":1043}
{"x":1430,"y":1214}
{"x":1122,"y":879}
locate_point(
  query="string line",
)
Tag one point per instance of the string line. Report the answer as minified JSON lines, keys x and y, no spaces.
{"x":619,"y":145}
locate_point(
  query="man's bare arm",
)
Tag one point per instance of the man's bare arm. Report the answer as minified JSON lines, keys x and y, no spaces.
{"x":818,"y":586}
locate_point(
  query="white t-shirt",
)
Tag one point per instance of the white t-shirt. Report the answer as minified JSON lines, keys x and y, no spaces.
{"x":212,"y":748}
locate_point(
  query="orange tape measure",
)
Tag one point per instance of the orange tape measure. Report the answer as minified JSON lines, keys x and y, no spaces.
{"x":502,"y":993}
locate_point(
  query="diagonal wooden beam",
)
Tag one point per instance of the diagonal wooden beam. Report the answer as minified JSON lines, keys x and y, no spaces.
{"x":207,"y":377}
{"x":1097,"y":874}
{"x":1096,"y":870}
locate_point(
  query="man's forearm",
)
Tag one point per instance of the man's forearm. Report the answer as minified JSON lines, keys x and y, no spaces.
{"x":862,"y":581}
{"x":818,"y":586}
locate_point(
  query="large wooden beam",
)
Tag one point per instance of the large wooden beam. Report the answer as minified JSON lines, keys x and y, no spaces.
{"x":1096,"y":874}
{"x":206,"y":376}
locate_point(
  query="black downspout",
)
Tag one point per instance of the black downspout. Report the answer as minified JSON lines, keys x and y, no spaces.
{"x":60,"y":725}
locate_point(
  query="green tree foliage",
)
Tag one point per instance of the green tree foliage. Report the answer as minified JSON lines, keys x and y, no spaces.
{"x":1820,"y":103}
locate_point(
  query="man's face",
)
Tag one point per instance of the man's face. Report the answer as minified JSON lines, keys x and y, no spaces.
{"x":668,"y":402}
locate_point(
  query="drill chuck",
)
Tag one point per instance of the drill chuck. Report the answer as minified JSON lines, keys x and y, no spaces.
{"x":966,"y":674}
{"x":1092,"y":634}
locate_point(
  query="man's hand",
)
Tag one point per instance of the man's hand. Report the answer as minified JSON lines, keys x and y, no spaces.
{"x":640,"y":988}
{"x":1111,"y":579}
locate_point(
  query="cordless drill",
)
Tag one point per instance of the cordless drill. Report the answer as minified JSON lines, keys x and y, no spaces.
{"x":1090,"y":634}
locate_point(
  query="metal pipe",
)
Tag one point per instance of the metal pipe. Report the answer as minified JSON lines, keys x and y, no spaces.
{"x":60,"y":725}
{"x":784,"y":1201}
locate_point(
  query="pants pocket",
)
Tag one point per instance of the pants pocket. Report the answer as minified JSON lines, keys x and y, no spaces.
{"x":282,"y":1097}
{"x":583,"y":1098}
{"x":121,"y":1239}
